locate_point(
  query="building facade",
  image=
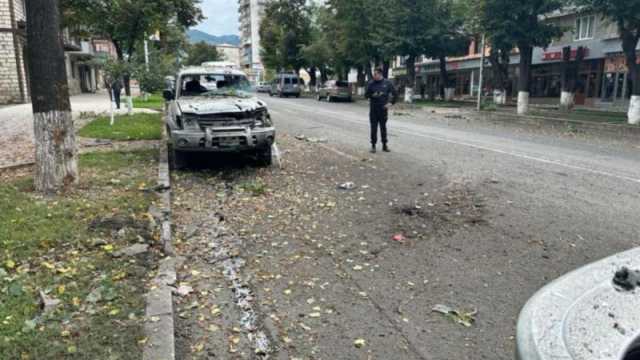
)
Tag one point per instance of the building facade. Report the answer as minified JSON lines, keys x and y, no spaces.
{"x":251,"y":13}
{"x":603,"y":79}
{"x":231,"y":53}
{"x":82,"y":73}
{"x":13,"y":78}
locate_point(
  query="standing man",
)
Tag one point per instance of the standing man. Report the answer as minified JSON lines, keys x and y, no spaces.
{"x":116,"y":89}
{"x":381,"y":95}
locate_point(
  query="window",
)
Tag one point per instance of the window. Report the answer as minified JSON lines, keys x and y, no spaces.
{"x":584,"y":27}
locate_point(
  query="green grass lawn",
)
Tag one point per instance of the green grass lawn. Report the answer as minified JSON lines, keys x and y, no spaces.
{"x":442,"y":104}
{"x":585,"y":115}
{"x":153,"y":102}
{"x":125,"y":128}
{"x":61,"y":246}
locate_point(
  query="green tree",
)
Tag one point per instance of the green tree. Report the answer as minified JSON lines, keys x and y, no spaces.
{"x":408,"y":32}
{"x":447,"y":36}
{"x":521,"y":23}
{"x":202,"y":52}
{"x":284,"y":31}
{"x":626,"y":14}
{"x":127,"y":22}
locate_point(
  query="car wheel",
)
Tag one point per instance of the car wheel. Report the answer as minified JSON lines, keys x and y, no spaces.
{"x":281,"y":95}
{"x":270,"y":94}
{"x":264,"y":157}
{"x":318,"y":97}
{"x":177,"y":158}
{"x":329,"y":98}
{"x":297,"y":96}
{"x":349,"y":99}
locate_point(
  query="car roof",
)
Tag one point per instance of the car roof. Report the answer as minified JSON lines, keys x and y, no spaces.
{"x":200,"y":70}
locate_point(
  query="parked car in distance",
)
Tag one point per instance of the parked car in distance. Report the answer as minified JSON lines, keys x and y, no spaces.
{"x":590,"y":313}
{"x":211,"y":111}
{"x":263,"y":87}
{"x":335,"y":90}
{"x":285,"y":85}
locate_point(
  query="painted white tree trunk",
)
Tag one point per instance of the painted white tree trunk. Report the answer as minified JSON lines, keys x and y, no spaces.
{"x":500,"y":97}
{"x":56,"y":165}
{"x":567,"y":101}
{"x":129,"y":105}
{"x":523,"y":102}
{"x":449,"y":93}
{"x":634,"y":110}
{"x":408,"y":95}
{"x":361,"y":90}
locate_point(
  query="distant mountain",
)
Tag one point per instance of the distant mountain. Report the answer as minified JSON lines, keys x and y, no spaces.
{"x":198,"y":36}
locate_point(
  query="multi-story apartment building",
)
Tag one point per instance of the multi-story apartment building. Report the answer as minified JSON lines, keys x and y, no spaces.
{"x":13,"y":78}
{"x":251,"y":13}
{"x":603,"y":79}
{"x":82,"y":74}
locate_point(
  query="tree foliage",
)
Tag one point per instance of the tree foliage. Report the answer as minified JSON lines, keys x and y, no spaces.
{"x":202,"y":52}
{"x":127,"y":22}
{"x":284,"y":31}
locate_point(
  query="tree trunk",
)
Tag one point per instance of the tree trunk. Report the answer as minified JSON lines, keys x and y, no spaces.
{"x":312,"y":78}
{"x":444,"y":77}
{"x":567,"y":98}
{"x":499,"y":60}
{"x":526,"y":55}
{"x":56,"y":166}
{"x":362,"y":81}
{"x":386,"y":65}
{"x":323,"y":74}
{"x":411,"y":79}
{"x":629,"y":44}
{"x":368,"y":71}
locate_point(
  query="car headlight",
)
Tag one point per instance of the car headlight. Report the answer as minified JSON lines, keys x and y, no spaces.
{"x":263,"y":119}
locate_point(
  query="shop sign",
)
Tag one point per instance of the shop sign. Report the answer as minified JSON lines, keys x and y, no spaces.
{"x":617,"y":64}
{"x":557,"y":55}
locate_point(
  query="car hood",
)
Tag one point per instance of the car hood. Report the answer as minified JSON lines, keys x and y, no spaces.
{"x":213,"y":105}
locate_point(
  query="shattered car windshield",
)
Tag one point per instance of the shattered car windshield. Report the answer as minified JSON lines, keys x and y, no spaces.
{"x":210,"y":85}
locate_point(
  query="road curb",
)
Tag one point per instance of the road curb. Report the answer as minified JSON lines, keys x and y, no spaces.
{"x":627,"y":131}
{"x":159,"y":325}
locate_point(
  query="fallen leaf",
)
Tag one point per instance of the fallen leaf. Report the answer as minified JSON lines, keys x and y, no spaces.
{"x":458,"y":316}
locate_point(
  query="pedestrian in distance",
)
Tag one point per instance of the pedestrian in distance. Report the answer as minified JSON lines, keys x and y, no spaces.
{"x":116,"y":89}
{"x":382,"y":95}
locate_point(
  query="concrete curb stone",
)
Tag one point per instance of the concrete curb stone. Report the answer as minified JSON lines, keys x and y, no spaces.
{"x":159,"y":326}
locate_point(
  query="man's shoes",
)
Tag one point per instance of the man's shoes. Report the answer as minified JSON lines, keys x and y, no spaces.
{"x":385,"y":148}
{"x":373,"y":149}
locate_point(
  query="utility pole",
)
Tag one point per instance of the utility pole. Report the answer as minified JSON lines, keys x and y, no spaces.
{"x":481,"y":73}
{"x":56,"y":166}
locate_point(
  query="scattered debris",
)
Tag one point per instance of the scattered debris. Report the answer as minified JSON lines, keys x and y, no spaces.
{"x":183,"y":290}
{"x":360,"y":343}
{"x":399,"y":238}
{"x":48,"y":304}
{"x":347,"y":186}
{"x":312,"y":140}
{"x":131,"y":251}
{"x":626,"y":279}
{"x":463,"y":318}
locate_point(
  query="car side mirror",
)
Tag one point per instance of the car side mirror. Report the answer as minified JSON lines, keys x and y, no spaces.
{"x":168,"y":95}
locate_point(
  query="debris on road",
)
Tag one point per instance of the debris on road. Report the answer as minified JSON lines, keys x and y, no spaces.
{"x":347,"y":186}
{"x":399,"y":238}
{"x":461,"y":317}
{"x":360,"y":343}
{"x":312,"y":140}
{"x":183,"y":290}
{"x":626,"y":279}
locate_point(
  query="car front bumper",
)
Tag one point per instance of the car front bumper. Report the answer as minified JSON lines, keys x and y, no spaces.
{"x":223,"y":139}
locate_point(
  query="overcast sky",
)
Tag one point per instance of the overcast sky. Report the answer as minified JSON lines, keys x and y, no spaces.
{"x":222,"y":17}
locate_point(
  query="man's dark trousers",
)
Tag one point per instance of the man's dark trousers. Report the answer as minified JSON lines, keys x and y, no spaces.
{"x":378,"y":117}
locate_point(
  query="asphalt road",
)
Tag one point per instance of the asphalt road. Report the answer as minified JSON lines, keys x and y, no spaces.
{"x":491,"y":213}
{"x":553,"y":203}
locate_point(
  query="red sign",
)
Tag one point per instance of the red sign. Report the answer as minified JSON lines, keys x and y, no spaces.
{"x":557,"y":55}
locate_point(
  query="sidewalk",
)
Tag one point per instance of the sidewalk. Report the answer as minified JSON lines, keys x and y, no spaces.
{"x":16,"y":126}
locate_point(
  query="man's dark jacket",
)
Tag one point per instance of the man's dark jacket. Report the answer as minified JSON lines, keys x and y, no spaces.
{"x":380,"y":93}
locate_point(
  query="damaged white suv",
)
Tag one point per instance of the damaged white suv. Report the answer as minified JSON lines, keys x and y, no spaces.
{"x":212,"y":110}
